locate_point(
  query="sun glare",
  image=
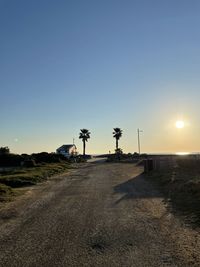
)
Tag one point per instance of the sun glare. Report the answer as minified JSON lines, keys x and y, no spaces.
{"x":180,"y":124}
{"x":182,"y":153}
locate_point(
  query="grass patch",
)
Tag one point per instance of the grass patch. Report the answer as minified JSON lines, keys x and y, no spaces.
{"x":20,"y":177}
{"x":6,"y":192}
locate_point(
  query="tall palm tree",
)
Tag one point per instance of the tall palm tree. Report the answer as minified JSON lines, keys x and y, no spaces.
{"x":117,"y":134}
{"x":84,"y":135}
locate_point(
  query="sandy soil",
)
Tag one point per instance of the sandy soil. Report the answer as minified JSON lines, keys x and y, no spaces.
{"x":101,"y":214}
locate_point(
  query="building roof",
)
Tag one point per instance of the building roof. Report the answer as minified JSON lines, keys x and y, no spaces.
{"x":65,"y":147}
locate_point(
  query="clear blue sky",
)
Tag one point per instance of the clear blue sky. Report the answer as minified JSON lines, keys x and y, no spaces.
{"x":99,"y":64}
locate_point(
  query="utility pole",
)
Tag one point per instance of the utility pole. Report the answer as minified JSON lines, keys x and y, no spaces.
{"x":138,"y":132}
{"x":73,"y":141}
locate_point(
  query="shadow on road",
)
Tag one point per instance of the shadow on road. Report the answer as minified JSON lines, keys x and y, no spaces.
{"x":137,"y":187}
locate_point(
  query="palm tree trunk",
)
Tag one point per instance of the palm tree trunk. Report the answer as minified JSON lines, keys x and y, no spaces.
{"x":116,"y":143}
{"x":83,"y":147}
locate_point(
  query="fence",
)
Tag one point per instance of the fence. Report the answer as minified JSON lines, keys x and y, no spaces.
{"x":159,"y":163}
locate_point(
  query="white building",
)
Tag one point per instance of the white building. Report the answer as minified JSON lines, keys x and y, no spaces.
{"x":67,"y":150}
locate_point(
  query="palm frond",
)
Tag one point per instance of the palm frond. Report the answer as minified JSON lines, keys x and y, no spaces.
{"x":117,"y":133}
{"x":84,"y":134}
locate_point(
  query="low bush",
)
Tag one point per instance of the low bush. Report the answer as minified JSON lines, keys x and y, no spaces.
{"x":29,"y":163}
{"x":7,"y":160}
{"x":45,"y":157}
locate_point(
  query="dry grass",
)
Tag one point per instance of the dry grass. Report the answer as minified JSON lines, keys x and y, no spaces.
{"x":20,"y":177}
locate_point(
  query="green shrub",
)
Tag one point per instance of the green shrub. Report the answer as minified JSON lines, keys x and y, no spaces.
{"x":10,"y":160}
{"x":29,"y":163}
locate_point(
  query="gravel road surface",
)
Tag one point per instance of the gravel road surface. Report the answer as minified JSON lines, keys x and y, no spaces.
{"x":100,"y":214}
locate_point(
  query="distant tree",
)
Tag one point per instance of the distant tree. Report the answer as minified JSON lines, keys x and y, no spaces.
{"x":4,"y":150}
{"x":45,"y":157}
{"x":117,"y":134}
{"x":84,"y":135}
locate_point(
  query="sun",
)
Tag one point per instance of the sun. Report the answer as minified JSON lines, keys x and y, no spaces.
{"x":180,"y":124}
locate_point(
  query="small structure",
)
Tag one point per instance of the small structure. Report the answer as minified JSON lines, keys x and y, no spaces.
{"x":67,"y":150}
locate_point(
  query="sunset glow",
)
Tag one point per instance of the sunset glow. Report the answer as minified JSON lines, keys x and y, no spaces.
{"x":98,"y":65}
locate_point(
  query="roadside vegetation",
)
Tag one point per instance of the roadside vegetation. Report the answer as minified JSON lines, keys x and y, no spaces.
{"x":17,"y":177}
{"x":181,"y":185}
{"x":17,"y":171}
{"x":12,"y":178}
{"x":121,"y":157}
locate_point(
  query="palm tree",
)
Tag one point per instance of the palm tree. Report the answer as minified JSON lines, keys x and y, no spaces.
{"x":84,"y":135}
{"x":117,"y":134}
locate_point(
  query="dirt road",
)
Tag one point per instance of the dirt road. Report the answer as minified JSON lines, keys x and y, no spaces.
{"x":101,"y":214}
